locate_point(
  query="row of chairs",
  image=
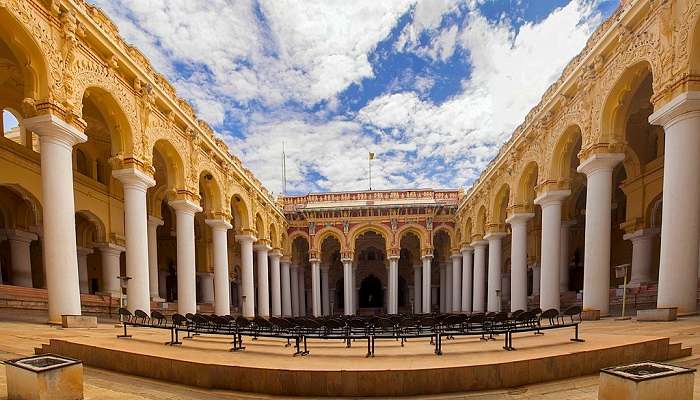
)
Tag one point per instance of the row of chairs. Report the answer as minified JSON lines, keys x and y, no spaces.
{"x":348,"y":329}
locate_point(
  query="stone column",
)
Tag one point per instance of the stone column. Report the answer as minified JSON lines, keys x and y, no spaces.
{"x":83,"y":252}
{"x":355,"y":290}
{"x":316,"y":306}
{"x":286,"y":287}
{"x":57,"y":139}
{"x":222,"y":288}
{"x":247,"y":285}
{"x":536,"y":279}
{"x":427,"y":288}
{"x":111,"y":255}
{"x":302,"y":292}
{"x":641,"y":255}
{"x":456,"y":282}
{"x":135,"y":183}
{"x":518,"y":260}
{"x":417,"y":292}
{"x":443,"y":272}
{"x":21,"y":257}
{"x":206,"y":286}
{"x":294,"y":288}
{"x":467,"y":274}
{"x":325,"y":292}
{"x":680,"y":230}
{"x":494,"y":271}
{"x":186,"y":268}
{"x":551,"y":242}
{"x":275,"y":284}
{"x":596,"y":253}
{"x":564,"y":256}
{"x":347,"y":286}
{"x":393,"y":285}
{"x":479,"y":275}
{"x":153,"y":224}
{"x":448,"y":287}
{"x":262,"y":250}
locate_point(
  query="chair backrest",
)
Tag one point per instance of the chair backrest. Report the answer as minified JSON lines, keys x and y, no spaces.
{"x":126,"y":313}
{"x":536,"y":311}
{"x":515,"y":313}
{"x":179,"y":320}
{"x":158,"y":317}
{"x":550,"y":315}
{"x":573,"y":310}
{"x":189,"y":316}
{"x":141,"y":314}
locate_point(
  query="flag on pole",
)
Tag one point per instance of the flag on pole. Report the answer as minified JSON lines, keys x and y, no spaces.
{"x":371,"y":155}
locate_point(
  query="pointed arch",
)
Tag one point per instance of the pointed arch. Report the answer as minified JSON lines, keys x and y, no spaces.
{"x":419,"y":230}
{"x":329,"y":231}
{"x":563,"y":152}
{"x":379,"y":229}
{"x":613,"y":116}
{"x":525,"y":193}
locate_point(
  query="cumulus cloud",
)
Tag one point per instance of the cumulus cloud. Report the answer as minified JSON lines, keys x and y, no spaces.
{"x":277,"y":68}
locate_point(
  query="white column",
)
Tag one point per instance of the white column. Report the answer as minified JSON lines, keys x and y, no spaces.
{"x":494,"y":272}
{"x":355,"y":290}
{"x":680,"y":230}
{"x":153,"y":224}
{"x":263,"y":280}
{"x":57,"y":139}
{"x":186,"y":268}
{"x":641,"y":255}
{"x":247,"y":285}
{"x":347,"y":286}
{"x":316,"y":287}
{"x":479,"y":275}
{"x":222,"y":288}
{"x":302,"y":292}
{"x":20,"y":256}
{"x":456,"y":282}
{"x":393,"y":285}
{"x":111,"y":255}
{"x":286,"y":288}
{"x":518,"y":260}
{"x":536,"y":279}
{"x":550,"y":254}
{"x":467,"y":274}
{"x":83,"y":269}
{"x":427,"y":288}
{"x":417,"y":292}
{"x":596,"y":253}
{"x":294,"y":288}
{"x":448,"y":287}
{"x":564,"y":256}
{"x":206,"y":287}
{"x":325,"y":292}
{"x":275,"y":284}
{"x":135,"y":183}
{"x":443,"y":272}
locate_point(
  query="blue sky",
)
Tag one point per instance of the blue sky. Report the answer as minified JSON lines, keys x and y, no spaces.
{"x":432,"y":87}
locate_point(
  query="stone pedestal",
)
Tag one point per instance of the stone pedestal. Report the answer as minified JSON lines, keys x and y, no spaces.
{"x":646,"y":381}
{"x":44,"y":377}
{"x":590,"y":315}
{"x":78,"y":321}
{"x":658,"y":314}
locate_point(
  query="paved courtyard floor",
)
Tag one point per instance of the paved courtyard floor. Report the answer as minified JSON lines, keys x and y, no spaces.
{"x":21,"y":332}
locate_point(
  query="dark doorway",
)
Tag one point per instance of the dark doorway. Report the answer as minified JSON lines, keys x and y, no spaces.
{"x":339,"y":294}
{"x":371,"y":293}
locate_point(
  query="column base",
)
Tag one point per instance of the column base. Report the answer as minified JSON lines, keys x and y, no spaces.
{"x":157,"y":299}
{"x":590,"y":315}
{"x":658,"y":314}
{"x":78,"y":321}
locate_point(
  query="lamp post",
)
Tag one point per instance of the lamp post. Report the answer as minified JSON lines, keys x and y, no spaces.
{"x":621,"y":272}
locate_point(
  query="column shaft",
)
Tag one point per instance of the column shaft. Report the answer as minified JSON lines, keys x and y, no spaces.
{"x":186,"y":267}
{"x":21,"y":258}
{"x":417,"y":286}
{"x":83,"y":269}
{"x":456,"y":282}
{"x":263,"y":281}
{"x":275,"y":283}
{"x":247,"y":284}
{"x":153,"y":224}
{"x":111,"y":255}
{"x":479,"y":275}
{"x":448,"y":287}
{"x":467,"y":278}
{"x":325,"y":292}
{"x":57,"y":139}
{"x":347,"y":287}
{"x":222,"y":289}
{"x":393,"y":285}
{"x":294,"y":288}
{"x":316,"y":288}
{"x":550,"y":248}
{"x":596,"y":252}
{"x":427,"y":288}
{"x":135,"y":184}
{"x":286,"y":288}
{"x":518,"y":261}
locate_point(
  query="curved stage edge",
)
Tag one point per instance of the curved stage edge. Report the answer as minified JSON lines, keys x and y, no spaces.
{"x":268,"y":367}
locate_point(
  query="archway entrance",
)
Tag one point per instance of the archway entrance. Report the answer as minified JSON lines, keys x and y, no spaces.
{"x":371,"y":293}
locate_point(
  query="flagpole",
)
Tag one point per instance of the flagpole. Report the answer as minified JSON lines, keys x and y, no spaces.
{"x":284,"y":170}
{"x":370,"y":171}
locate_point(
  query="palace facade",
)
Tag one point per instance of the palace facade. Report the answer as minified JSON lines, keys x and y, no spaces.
{"x":110,"y":174}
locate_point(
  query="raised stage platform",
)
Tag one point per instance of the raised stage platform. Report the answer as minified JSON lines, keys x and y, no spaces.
{"x":267,"y":366}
